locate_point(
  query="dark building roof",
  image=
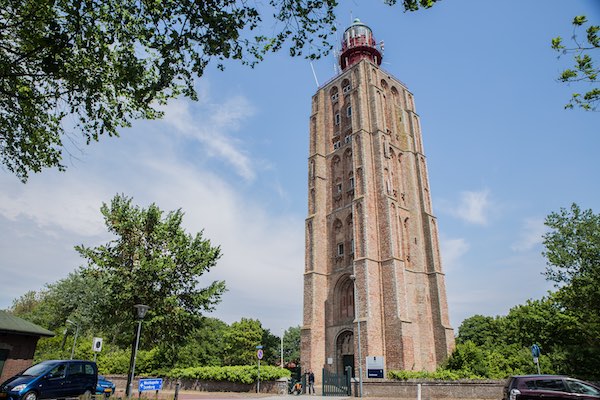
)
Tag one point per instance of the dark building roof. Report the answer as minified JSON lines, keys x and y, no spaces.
{"x":11,"y":324}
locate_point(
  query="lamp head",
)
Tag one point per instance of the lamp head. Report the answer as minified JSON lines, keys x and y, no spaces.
{"x":141,"y":309}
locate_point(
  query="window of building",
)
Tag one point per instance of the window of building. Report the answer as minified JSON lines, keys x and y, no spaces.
{"x":351,"y":246}
{"x":347,"y":139}
{"x":335,"y":97}
{"x":351,"y":182}
{"x":339,"y":187}
{"x":337,"y":144}
{"x":349,"y":111}
{"x":347,"y":300}
{"x":340,"y":249}
{"x":347,"y":89}
{"x":337,"y":118}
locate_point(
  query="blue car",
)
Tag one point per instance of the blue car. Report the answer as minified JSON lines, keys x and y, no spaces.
{"x":105,"y":387}
{"x":52,"y":379}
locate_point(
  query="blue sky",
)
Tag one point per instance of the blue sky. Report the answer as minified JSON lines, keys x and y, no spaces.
{"x":502,"y":154}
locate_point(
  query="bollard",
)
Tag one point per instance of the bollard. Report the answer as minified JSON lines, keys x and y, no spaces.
{"x":176,"y":390}
{"x":419,"y":391}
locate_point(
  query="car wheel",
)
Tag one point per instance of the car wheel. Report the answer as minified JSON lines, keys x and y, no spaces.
{"x":87,"y":395}
{"x":30,"y":396}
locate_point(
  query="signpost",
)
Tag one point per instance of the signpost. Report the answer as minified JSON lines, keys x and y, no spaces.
{"x":535,"y":352}
{"x":96,"y":346}
{"x":259,"y":355}
{"x":146,"y":385}
{"x":150,"y":384}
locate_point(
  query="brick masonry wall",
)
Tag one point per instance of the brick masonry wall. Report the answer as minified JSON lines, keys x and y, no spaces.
{"x":433,"y":390}
{"x":13,"y":367}
{"x":385,"y":389}
{"x":20,"y":353}
{"x":274,"y":387}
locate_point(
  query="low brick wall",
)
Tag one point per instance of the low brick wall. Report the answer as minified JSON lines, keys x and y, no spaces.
{"x":432,"y":390}
{"x":384,"y":388}
{"x":275,"y":387}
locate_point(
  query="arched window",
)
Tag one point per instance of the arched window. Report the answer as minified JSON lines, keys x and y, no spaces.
{"x":346,"y":294}
{"x":334,"y":94}
{"x":346,"y":87}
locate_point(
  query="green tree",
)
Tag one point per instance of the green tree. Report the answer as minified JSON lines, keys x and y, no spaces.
{"x":584,"y":69}
{"x":480,"y":330}
{"x":291,"y":344}
{"x":205,"y":346}
{"x":543,"y":322}
{"x":271,"y":348}
{"x":71,"y":67}
{"x":573,"y":263}
{"x":26,"y":304}
{"x":76,"y":297}
{"x":152,"y":261}
{"x":241,"y":340}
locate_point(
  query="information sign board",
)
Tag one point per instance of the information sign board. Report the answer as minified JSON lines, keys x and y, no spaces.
{"x":150,"y":384}
{"x":375,"y":367}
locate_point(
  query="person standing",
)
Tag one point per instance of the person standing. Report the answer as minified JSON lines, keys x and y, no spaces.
{"x":311,"y":382}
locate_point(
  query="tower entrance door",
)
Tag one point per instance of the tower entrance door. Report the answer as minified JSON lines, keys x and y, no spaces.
{"x":345,"y":353}
{"x":348,"y":362}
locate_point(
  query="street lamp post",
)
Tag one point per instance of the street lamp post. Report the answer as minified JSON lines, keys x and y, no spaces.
{"x":75,"y":339}
{"x":282,"y":348}
{"x":360,"y":382}
{"x":141,"y":313}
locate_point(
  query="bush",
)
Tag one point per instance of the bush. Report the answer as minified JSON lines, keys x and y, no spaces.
{"x":239,"y":373}
{"x":440,"y":374}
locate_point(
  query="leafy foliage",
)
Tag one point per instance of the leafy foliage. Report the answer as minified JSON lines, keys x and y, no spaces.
{"x":271,"y":348}
{"x":71,"y":68}
{"x":291,"y":344}
{"x":242,"y":373}
{"x":413,"y":5}
{"x":151,"y":261}
{"x":584,"y":69}
{"x":241,"y":340}
{"x":573,"y":254}
{"x":440,"y":374}
{"x":205,"y":346}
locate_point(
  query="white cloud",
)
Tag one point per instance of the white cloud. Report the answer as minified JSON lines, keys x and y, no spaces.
{"x":452,"y":250}
{"x":57,"y":202}
{"x":530,"y":235}
{"x":473,"y":207}
{"x":263,"y":252}
{"x":211,"y":125}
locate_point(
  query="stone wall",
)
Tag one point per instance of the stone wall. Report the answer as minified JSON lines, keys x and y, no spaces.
{"x":275,"y":387}
{"x":384,"y":388}
{"x":432,"y":390}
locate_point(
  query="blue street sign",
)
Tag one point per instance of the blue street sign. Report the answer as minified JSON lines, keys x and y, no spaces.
{"x":150,"y":384}
{"x":535,"y":351}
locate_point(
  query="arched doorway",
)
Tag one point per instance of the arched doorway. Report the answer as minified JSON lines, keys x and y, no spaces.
{"x":345,"y":352}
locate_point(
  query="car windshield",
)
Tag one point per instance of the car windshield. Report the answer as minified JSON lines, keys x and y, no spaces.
{"x":37,"y":369}
{"x":582,"y":388}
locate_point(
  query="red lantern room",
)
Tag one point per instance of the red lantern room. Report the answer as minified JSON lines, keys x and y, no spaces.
{"x":358,"y":44}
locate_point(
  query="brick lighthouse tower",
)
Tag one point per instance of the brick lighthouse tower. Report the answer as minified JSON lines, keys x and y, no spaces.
{"x":373,"y":280}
